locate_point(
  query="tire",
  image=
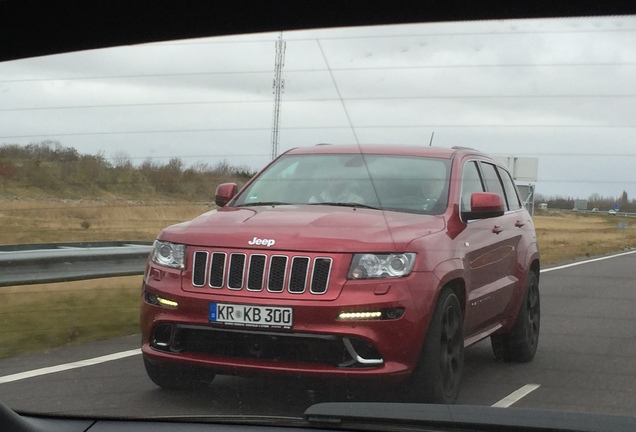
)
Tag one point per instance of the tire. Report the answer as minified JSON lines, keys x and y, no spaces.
{"x":437,"y":376}
{"x":520,"y":344}
{"x":175,"y":377}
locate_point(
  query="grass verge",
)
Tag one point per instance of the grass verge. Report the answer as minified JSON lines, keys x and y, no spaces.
{"x":40,"y":317}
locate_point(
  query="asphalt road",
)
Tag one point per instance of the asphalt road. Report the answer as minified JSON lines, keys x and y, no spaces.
{"x":586,"y":362}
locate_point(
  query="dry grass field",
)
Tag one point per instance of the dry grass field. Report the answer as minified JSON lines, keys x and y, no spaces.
{"x":58,"y":221}
{"x":40,"y":317}
{"x":568,"y":236}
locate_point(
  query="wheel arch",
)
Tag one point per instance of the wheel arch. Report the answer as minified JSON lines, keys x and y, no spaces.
{"x":458,"y":286}
{"x":535,"y":266}
{"x":451,"y":274}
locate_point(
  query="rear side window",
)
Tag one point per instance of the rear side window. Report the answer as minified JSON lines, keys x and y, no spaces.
{"x":512,"y":197}
{"x":471,"y":183}
{"x":491,"y":178}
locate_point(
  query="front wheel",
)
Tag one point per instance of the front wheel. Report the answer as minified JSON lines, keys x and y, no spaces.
{"x":176,"y":377}
{"x":439,"y":370}
{"x":520,"y":344}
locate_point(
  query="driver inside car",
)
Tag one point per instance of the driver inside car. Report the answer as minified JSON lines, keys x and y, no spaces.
{"x":337,"y":191}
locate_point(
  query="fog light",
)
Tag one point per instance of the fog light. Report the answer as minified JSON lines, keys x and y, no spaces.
{"x":394,"y":313}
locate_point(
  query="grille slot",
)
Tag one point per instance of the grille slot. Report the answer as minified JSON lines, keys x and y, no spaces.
{"x":256,"y":273}
{"x":320,"y":275}
{"x":198,"y":272}
{"x":217,"y":270}
{"x":235,"y":278}
{"x":277,"y":270}
{"x":298,"y":276}
{"x":236,"y":271}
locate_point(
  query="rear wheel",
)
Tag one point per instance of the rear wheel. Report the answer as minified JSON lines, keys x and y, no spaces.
{"x":178,"y":377}
{"x":520,"y":344}
{"x":439,"y":370}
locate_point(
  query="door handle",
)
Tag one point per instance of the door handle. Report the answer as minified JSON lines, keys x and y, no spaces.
{"x":497,"y":229}
{"x":519,"y":224}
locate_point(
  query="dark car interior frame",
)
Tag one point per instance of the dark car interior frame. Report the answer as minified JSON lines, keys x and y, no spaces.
{"x":31,"y":28}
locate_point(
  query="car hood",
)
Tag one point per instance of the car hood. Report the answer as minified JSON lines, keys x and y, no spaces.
{"x":305,"y":228}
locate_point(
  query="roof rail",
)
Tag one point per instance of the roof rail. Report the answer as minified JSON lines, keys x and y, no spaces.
{"x":463,"y":148}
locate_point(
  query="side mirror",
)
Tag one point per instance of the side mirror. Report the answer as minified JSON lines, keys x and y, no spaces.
{"x":484,"y":205}
{"x":224,"y":193}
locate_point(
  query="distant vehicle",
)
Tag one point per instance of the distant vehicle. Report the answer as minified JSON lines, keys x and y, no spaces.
{"x":595,"y":209}
{"x":611,"y":212}
{"x":347,"y":261}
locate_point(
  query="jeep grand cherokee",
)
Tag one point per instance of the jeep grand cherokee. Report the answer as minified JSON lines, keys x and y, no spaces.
{"x":371,"y":262}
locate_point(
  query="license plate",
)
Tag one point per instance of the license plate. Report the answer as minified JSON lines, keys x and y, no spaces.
{"x":252,"y":316}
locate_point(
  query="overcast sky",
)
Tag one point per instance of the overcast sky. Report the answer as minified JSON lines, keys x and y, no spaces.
{"x":563,"y":91}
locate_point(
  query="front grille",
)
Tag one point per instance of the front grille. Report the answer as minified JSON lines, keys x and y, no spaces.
{"x":258,"y":272}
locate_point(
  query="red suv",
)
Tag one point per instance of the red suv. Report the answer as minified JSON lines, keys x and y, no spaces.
{"x":374,"y":262}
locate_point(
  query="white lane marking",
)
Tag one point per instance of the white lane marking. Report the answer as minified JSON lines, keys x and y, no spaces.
{"x":68,"y":366}
{"x":516,"y":395}
{"x":587,"y":261}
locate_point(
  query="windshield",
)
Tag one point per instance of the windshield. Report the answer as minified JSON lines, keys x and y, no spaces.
{"x":126,"y":290}
{"x":411,"y":184}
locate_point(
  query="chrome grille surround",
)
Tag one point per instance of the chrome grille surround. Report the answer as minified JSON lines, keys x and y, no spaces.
{"x":275,"y":273}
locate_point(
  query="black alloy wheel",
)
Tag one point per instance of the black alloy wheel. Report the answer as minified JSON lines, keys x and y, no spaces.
{"x":437,"y":376}
{"x":520,"y":344}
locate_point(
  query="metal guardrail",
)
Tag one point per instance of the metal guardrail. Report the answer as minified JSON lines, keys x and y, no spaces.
{"x":60,"y":262}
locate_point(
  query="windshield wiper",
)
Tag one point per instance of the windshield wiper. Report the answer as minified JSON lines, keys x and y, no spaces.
{"x":346,"y":204}
{"x":264,"y":203}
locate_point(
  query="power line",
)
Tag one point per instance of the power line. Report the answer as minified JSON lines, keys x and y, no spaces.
{"x":334,"y":69}
{"x":52,"y":135}
{"x":378,"y":98}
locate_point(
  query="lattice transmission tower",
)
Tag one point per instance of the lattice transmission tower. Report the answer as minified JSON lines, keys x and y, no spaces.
{"x":279,"y":88}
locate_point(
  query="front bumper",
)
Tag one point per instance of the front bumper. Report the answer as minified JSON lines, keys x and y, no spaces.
{"x":318,"y":344}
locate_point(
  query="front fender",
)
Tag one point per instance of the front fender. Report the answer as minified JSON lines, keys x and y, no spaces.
{"x":449,"y":270}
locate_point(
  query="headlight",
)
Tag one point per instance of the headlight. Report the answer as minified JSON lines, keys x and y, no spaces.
{"x":168,"y":254}
{"x":367,"y":266}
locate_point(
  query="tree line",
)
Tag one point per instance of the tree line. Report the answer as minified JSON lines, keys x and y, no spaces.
{"x":594,"y":201}
{"x":57,"y":169}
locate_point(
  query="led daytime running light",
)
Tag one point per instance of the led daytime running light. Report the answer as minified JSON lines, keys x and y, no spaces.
{"x":166,"y":302}
{"x":360,"y":315}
